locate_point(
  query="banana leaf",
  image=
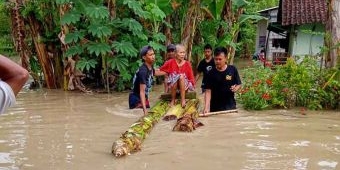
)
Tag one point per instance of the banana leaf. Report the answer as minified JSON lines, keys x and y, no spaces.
{"x":131,"y":140}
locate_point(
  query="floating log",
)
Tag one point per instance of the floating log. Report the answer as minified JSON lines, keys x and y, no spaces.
{"x":188,"y":95}
{"x":131,"y":140}
{"x":218,"y":112}
{"x":174,"y":112}
{"x":189,"y":122}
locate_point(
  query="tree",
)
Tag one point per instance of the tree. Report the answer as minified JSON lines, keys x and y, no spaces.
{"x":333,"y":28}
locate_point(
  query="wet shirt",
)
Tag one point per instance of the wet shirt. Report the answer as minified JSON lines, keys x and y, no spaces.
{"x":204,"y":67}
{"x":7,"y":97}
{"x":143,"y":76}
{"x":171,"y":67}
{"x":220,"y":82}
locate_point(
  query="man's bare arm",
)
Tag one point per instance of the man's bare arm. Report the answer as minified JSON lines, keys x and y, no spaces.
{"x":13,"y":74}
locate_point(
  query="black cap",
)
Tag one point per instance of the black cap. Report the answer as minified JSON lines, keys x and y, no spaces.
{"x":171,"y":47}
{"x":144,"y":50}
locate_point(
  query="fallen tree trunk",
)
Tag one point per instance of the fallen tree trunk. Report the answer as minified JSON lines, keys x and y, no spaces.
{"x":131,"y":140}
{"x":218,"y":112}
{"x":189,"y":122}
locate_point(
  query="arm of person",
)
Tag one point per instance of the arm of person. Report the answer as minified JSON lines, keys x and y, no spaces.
{"x":237,"y":82}
{"x":13,"y":74}
{"x":191,"y":74}
{"x":158,"y":72}
{"x":207,"y":99}
{"x":234,"y":88}
{"x":142,"y":88}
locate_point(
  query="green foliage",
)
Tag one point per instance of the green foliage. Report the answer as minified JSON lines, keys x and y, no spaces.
{"x":256,"y":87}
{"x":6,"y":44}
{"x":98,"y":48}
{"x":71,"y":18}
{"x":125,"y":48}
{"x":118,"y":63}
{"x":74,"y":50}
{"x":290,"y":85}
{"x":99,"y":30}
{"x":97,"y":12}
{"x":84,"y":64}
{"x":136,"y":7}
{"x":59,"y":2}
{"x":74,"y":36}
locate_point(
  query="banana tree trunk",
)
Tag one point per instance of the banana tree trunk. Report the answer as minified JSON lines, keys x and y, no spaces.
{"x":64,"y":30}
{"x":188,"y":122}
{"x":226,"y":15}
{"x":231,"y":19}
{"x":131,"y":140}
{"x":19,"y":34}
{"x":174,"y":112}
{"x":190,"y":26}
{"x":40,"y":47}
{"x":333,"y":26}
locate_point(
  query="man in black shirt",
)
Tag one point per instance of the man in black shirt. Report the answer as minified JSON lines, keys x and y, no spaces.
{"x":221,"y":84}
{"x":142,"y":81}
{"x":205,"y":65}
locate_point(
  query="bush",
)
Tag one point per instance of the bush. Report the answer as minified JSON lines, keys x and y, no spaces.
{"x":290,"y":85}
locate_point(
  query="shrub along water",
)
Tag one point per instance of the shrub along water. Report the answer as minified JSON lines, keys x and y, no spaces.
{"x":289,"y":85}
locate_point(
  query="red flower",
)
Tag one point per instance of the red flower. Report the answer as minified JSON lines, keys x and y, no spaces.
{"x":256,"y":83}
{"x":269,"y":82}
{"x":245,"y":90}
{"x":266,"y":96}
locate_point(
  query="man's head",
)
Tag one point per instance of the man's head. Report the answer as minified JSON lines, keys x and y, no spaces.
{"x":220,"y":58}
{"x":180,"y":52}
{"x":207,"y":51}
{"x":170,"y":51}
{"x":147,"y":54}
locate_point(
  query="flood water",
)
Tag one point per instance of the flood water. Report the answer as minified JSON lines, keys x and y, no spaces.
{"x":57,"y":130}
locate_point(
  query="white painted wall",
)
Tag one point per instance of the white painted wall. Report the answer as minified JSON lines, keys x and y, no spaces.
{"x":304,"y":43}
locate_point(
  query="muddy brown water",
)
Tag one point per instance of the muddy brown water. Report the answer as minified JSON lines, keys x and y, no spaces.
{"x":57,"y":130}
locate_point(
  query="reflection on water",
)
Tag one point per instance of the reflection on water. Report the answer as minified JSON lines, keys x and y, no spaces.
{"x":53,"y":129}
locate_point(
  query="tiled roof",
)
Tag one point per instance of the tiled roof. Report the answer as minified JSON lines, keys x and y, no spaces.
{"x":297,"y":12}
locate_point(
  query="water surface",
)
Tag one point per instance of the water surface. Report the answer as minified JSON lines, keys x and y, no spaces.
{"x":53,"y":129}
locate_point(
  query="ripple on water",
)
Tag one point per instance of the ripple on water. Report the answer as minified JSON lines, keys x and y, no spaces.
{"x":301,"y":143}
{"x":261,"y":144}
{"x":118,"y":110}
{"x":5,"y":158}
{"x":332,"y":147}
{"x":301,"y":163}
{"x":328,"y":164}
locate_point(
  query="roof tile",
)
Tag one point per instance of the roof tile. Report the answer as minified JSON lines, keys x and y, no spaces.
{"x":297,"y":12}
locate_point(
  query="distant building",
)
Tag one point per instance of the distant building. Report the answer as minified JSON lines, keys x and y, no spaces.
{"x":295,"y":28}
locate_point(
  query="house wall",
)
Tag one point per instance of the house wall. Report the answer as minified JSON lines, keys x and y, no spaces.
{"x":307,"y":39}
{"x":261,"y":37}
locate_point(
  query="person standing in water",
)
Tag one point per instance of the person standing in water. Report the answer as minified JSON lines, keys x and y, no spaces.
{"x":221,"y":84}
{"x":205,"y":65}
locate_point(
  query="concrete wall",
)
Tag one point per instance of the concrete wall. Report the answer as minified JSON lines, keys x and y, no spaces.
{"x":261,"y":36}
{"x":307,"y":39}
